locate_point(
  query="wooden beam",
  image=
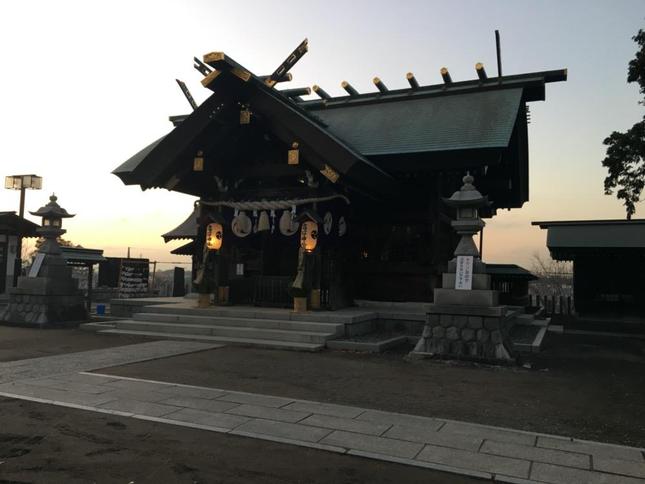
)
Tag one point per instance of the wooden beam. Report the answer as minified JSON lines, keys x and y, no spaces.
{"x":210,"y":78}
{"x":201,"y":67}
{"x":286,"y":78}
{"x":317,"y":103}
{"x":298,"y":91}
{"x":321,"y":92}
{"x":348,"y":87}
{"x":189,"y":97}
{"x":481,"y":72}
{"x":289,"y":62}
{"x":412,"y":80}
{"x":379,"y":84}
{"x":213,"y":57}
{"x":445,"y":75}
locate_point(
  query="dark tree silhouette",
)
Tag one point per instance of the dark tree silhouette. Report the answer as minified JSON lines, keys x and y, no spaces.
{"x":625,"y":159}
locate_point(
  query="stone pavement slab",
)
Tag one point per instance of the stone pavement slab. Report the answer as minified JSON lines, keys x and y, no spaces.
{"x":269,"y":413}
{"x":423,"y":436}
{"x":554,"y":474}
{"x":252,"y":399}
{"x":370,"y":443}
{"x":325,"y":409}
{"x":290,"y":431}
{"x":351,"y":425}
{"x":95,"y":359}
{"x":493,"y":453}
{"x":140,"y":408}
{"x":400,"y":419}
{"x":213,"y":419}
{"x":536,"y":454}
{"x":199,"y":404}
{"x":617,"y":466}
{"x":593,"y":448}
{"x":475,"y":461}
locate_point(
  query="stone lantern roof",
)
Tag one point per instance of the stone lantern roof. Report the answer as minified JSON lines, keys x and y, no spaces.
{"x":467,"y":195}
{"x":52,"y":210}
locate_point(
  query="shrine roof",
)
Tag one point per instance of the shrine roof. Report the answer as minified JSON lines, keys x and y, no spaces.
{"x":474,"y":120}
{"x":12,"y":224}
{"x":568,"y":239}
{"x":82,"y":256}
{"x":186,"y":249}
{"x":185,"y":230}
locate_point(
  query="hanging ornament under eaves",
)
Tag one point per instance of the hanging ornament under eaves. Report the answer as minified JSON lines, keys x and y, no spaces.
{"x":263,"y":222}
{"x":245,"y":115}
{"x":288,"y":226}
{"x":198,"y":161}
{"x":328,"y":221}
{"x":241,"y":225}
{"x":294,"y":154}
{"x":342,"y":226}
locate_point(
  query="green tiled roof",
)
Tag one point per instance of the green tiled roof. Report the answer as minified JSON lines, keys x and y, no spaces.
{"x":442,"y":123}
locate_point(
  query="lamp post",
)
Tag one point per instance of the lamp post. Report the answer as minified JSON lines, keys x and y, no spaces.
{"x":21,"y":182}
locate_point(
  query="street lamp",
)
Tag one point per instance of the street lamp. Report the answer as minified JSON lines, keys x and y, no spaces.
{"x":21,"y":182}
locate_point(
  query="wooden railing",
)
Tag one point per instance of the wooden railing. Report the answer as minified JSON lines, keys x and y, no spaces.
{"x":553,"y":304}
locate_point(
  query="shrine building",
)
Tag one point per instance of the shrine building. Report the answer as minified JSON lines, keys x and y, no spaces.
{"x":363,"y":173}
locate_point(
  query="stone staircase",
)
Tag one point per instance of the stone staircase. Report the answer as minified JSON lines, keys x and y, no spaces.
{"x":528,"y":331}
{"x":258,"y":327}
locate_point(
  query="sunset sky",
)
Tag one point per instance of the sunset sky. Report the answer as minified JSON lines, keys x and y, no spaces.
{"x":85,"y":85}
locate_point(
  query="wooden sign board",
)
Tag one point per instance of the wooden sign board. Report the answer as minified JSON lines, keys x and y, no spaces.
{"x":35,"y":267}
{"x":464,"y":274}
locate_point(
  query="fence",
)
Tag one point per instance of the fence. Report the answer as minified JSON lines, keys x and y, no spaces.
{"x":553,"y":304}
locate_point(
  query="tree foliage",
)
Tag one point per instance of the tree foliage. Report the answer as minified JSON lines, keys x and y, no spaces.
{"x":625,"y":158}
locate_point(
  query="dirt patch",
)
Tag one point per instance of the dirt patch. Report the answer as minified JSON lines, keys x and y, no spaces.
{"x":149,"y":452}
{"x":584,"y":387}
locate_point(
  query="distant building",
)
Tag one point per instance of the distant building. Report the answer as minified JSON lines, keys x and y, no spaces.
{"x":608,"y":263}
{"x":12,"y":226}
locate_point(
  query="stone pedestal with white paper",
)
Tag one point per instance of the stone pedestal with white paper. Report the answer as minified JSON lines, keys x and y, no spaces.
{"x":466,"y":321}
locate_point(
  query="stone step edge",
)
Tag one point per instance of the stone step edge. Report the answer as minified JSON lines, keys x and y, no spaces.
{"x":234,"y":318}
{"x":260,"y":343}
{"x":309,"y":316}
{"x":234,"y":328}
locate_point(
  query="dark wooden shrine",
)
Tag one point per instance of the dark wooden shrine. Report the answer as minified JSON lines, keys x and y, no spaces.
{"x":608,"y":264}
{"x":372,"y":167}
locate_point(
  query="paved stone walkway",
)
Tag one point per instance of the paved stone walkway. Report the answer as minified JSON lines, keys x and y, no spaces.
{"x":493,"y":453}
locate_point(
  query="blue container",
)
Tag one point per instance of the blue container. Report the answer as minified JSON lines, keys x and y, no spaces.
{"x":100,"y":309}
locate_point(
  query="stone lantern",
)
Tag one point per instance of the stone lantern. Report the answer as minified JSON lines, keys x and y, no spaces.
{"x":467,"y":201}
{"x":52,"y":221}
{"x":48,"y":295}
{"x":466,"y":320}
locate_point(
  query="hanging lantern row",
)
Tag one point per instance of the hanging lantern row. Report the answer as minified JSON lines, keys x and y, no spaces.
{"x":308,"y":223}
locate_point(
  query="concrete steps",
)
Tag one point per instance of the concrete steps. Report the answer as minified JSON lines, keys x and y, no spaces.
{"x":304,"y":326}
{"x":246,"y":332}
{"x":251,"y":342}
{"x":259,"y":327}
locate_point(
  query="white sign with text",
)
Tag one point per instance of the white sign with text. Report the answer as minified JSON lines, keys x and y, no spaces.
{"x":464,"y":274}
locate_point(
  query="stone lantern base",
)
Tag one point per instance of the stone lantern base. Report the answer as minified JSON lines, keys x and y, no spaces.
{"x":461,"y":332}
{"x":466,"y":324}
{"x":54,"y":300}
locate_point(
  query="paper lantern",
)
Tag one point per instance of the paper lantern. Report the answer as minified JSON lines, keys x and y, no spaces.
{"x":214,"y":234}
{"x":309,"y":235}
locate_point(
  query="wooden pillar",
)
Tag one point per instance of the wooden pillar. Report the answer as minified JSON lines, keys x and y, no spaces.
{"x":90,"y":280}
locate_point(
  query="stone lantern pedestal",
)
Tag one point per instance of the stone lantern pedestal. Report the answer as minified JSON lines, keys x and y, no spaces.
{"x":49,"y":295}
{"x":466,"y":321}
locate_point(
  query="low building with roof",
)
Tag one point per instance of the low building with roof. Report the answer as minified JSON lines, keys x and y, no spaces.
{"x":608,"y":263}
{"x":11,"y":227}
